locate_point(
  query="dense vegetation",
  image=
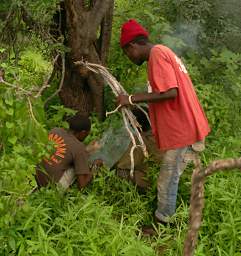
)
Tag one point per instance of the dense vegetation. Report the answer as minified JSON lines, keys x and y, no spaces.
{"x":105,"y":218}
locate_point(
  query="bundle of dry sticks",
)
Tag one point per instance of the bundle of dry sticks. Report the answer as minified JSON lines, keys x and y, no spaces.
{"x":131,"y":124}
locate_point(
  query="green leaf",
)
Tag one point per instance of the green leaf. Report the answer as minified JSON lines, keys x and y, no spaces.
{"x":9,"y":125}
{"x":53,"y":252}
{"x":12,"y":244}
{"x":3,"y":65}
{"x":12,"y":140}
{"x":9,"y":101}
{"x":10,"y":111}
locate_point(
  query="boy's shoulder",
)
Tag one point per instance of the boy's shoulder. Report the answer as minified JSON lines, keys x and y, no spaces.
{"x":61,"y":135}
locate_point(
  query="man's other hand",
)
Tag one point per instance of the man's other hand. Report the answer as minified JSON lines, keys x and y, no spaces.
{"x":123,"y":100}
{"x":83,"y":180}
{"x":93,"y":147}
{"x":98,"y":163}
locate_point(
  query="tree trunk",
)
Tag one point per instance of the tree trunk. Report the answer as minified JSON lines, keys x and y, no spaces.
{"x":83,"y":90}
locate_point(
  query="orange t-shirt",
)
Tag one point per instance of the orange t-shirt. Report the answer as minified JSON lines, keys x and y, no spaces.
{"x":177,"y":122}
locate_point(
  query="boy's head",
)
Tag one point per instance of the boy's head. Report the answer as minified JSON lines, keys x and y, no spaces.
{"x":79,"y":125}
{"x":134,"y":41}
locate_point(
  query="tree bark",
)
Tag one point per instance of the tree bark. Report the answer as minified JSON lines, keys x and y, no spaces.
{"x":197,"y":197}
{"x":83,"y":90}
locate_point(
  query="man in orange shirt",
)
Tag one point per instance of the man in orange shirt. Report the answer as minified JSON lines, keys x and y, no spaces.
{"x":178,"y":122}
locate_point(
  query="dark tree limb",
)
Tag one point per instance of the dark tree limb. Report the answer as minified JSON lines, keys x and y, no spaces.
{"x":72,"y":15}
{"x":98,"y":12}
{"x":105,"y":36}
{"x":197,"y":197}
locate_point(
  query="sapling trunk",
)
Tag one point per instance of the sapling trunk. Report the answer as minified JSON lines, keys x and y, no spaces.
{"x":197,"y":197}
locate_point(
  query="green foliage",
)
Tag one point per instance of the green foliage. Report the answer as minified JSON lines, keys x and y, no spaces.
{"x":125,"y":200}
{"x":41,"y":11}
{"x":51,"y":222}
{"x":98,"y":128}
{"x":218,"y":83}
{"x":56,"y":114}
{"x":229,"y":223}
{"x":23,"y":138}
{"x":33,"y":64}
{"x":105,"y":218}
{"x":204,"y":24}
{"x":23,"y":121}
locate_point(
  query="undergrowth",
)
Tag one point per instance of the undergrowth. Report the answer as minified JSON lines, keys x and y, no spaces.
{"x":106,"y":217}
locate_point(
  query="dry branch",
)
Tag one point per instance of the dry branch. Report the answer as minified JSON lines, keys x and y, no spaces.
{"x":130,"y":122}
{"x":197,"y":197}
{"x":17,"y":88}
{"x":46,"y":82}
{"x":61,"y":81}
{"x":31,"y":111}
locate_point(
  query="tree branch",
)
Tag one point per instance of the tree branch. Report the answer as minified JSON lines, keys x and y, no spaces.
{"x":226,"y":164}
{"x":47,"y":80}
{"x":197,"y":197}
{"x":31,"y":111}
{"x":71,"y":13}
{"x":61,"y":82}
{"x":99,"y":10}
{"x":105,"y":35}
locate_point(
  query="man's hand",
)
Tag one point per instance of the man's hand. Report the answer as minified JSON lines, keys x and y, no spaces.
{"x":123,"y":100}
{"x":83,"y":180}
{"x":97,"y":163}
{"x":93,"y":147}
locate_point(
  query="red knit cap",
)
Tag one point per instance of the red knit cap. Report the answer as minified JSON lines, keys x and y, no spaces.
{"x":130,"y":30}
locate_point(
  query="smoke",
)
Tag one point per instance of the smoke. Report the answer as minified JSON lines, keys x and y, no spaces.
{"x":188,"y":33}
{"x":184,"y":36}
{"x":224,"y":17}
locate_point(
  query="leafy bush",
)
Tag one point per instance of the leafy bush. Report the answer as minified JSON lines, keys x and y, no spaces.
{"x":105,"y":218}
{"x":51,"y":222}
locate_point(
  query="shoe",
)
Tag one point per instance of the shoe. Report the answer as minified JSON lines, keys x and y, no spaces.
{"x":157,"y":221}
{"x":148,"y":231}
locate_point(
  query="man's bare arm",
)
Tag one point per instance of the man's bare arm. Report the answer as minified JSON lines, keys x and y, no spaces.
{"x":123,"y":100}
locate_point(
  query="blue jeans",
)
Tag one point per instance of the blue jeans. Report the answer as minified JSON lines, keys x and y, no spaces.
{"x":173,"y":165}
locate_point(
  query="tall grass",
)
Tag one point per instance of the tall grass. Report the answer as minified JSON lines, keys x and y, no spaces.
{"x":106,"y":217}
